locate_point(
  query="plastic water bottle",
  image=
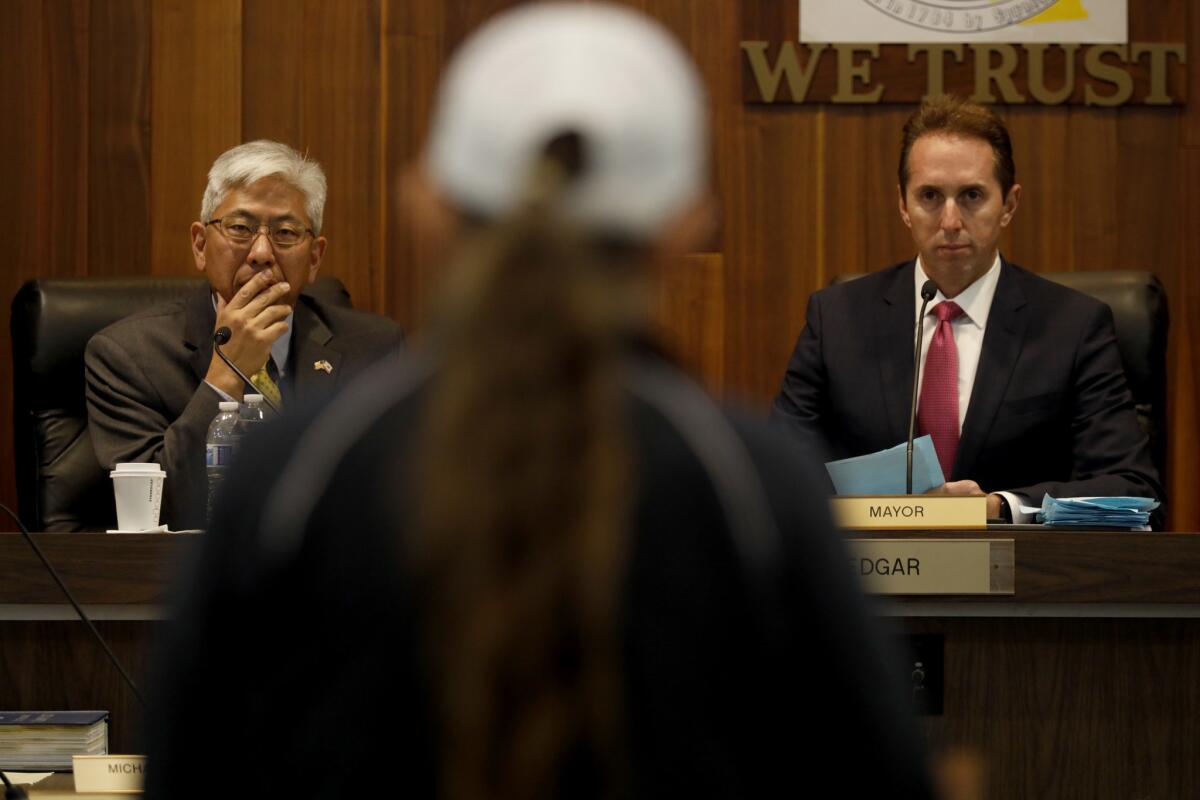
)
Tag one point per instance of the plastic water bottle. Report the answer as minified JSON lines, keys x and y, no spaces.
{"x":251,"y":414}
{"x":222,"y":440}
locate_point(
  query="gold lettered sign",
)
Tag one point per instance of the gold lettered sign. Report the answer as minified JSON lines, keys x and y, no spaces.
{"x":921,"y":512}
{"x":933,"y":566}
{"x":1138,"y":73}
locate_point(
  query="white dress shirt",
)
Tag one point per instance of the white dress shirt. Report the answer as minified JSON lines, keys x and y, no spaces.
{"x":968,"y":329}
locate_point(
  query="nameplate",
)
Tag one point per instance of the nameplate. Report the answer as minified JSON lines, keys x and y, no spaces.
{"x":933,"y":566}
{"x":109,"y":774}
{"x":910,"y":512}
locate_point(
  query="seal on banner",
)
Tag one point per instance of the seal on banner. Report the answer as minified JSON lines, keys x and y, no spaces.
{"x":961,"y":16}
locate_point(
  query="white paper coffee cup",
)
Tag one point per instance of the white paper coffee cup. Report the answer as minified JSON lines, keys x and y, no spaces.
{"x":138,"y":490}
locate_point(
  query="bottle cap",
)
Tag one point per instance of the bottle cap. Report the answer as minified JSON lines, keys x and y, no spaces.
{"x":228,"y":405}
{"x":252,"y":399}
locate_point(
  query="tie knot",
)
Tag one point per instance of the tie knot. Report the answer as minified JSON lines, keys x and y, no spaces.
{"x":947,"y":311}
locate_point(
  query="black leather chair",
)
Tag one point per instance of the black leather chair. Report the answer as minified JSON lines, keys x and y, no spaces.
{"x":1139,"y":305}
{"x":60,"y":484}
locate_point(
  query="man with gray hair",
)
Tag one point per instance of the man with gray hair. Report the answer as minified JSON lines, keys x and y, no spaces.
{"x":153,"y":380}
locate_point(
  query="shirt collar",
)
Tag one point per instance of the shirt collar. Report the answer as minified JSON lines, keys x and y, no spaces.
{"x":975,"y":300}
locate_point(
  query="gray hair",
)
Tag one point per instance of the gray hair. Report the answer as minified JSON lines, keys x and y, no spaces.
{"x":253,"y":161}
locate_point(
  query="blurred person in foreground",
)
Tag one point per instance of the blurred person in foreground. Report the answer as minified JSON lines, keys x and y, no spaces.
{"x":536,"y":561}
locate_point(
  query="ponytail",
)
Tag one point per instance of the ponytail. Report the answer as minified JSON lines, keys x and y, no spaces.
{"x":524,"y":506}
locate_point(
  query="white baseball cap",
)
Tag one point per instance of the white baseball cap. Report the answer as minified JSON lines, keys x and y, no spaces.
{"x":609,"y":74}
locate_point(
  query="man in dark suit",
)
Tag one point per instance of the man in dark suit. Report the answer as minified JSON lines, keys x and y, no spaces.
{"x":153,"y":380}
{"x":1022,"y":388}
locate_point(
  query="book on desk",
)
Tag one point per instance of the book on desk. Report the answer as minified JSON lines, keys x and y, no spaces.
{"x":46,"y":740}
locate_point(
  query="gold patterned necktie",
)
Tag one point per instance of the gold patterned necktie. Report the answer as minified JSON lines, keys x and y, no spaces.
{"x":263,"y":382}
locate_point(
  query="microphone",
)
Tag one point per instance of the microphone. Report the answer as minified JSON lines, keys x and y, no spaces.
{"x":221,"y":336}
{"x":928,"y":291}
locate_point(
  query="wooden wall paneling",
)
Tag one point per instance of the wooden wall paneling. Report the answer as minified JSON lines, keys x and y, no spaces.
{"x":418,"y":40}
{"x":273,"y":88}
{"x":1184,"y":366}
{"x":1095,"y":225}
{"x":1041,"y":147}
{"x":878,"y":221}
{"x":196,"y":104}
{"x":768,"y":196}
{"x":1190,"y":133}
{"x":413,"y":52}
{"x":692,"y":300}
{"x":773,"y":245}
{"x":23,"y":204}
{"x":1145,"y":184}
{"x":43,"y":88}
{"x":843,"y":184}
{"x":462,"y":17}
{"x":690,"y":314}
{"x":119,"y":138}
{"x":1150,"y":195}
{"x":67,"y":30}
{"x":1071,"y":707}
{"x":341,"y":129}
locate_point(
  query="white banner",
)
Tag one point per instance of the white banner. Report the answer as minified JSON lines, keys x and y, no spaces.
{"x":905,"y":21}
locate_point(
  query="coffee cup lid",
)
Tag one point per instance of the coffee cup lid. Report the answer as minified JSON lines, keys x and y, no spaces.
{"x":136,"y":468}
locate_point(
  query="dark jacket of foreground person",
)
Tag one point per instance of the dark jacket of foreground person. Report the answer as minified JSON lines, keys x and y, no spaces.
{"x":750,"y":665}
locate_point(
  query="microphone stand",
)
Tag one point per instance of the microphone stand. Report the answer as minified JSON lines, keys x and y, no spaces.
{"x":928,"y":291}
{"x":222,"y":336}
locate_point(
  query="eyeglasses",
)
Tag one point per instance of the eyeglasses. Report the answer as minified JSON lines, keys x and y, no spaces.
{"x":243,"y":230}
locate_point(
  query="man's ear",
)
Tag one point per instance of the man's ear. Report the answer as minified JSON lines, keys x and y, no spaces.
{"x":316,"y":253}
{"x":902,"y":205}
{"x":1010,"y":204}
{"x":199,"y":239}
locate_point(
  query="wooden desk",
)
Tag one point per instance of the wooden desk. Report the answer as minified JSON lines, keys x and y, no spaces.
{"x":1085,"y":683}
{"x":48,"y":659}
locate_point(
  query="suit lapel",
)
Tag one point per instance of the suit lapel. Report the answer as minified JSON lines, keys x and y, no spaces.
{"x":1002,"y":342}
{"x":313,"y":351}
{"x":199,"y":319}
{"x":894,"y":327}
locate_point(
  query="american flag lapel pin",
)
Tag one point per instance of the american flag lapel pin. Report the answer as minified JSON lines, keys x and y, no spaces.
{"x":324,"y":366}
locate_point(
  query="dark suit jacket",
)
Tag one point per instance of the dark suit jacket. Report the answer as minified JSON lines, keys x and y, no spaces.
{"x":147,"y":399}
{"x":1050,"y":412}
{"x":724,"y":684}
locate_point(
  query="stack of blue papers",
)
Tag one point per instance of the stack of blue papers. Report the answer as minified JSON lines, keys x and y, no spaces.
{"x":884,"y":472}
{"x":1096,"y":512}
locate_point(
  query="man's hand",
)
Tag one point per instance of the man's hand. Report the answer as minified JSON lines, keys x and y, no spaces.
{"x":256,"y":318}
{"x":970,"y":488}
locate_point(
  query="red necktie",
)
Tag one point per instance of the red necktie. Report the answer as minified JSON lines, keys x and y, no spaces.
{"x":937,"y":413}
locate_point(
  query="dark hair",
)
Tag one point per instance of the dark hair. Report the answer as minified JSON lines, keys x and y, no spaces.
{"x":947,"y":114}
{"x":524,"y":503}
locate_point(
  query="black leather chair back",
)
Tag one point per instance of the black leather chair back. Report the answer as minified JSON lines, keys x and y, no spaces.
{"x":60,"y":483}
{"x":1139,"y":305}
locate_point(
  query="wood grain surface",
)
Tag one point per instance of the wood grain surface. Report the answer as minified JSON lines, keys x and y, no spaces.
{"x":117,"y":107}
{"x":1104,"y":709}
{"x":1057,"y":566}
{"x":1057,"y":708}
